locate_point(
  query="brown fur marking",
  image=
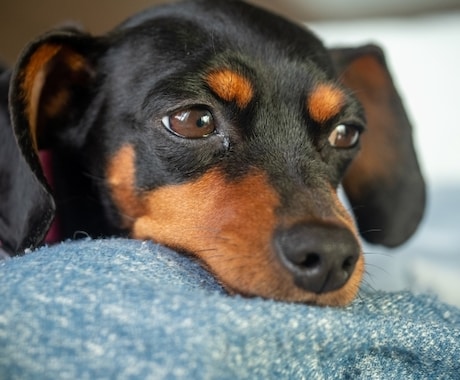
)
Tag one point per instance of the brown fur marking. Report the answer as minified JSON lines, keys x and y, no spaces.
{"x":32,"y":84}
{"x":34,"y":79}
{"x":121,"y":174}
{"x":228,"y":224}
{"x":231,"y":86}
{"x":325,"y":102}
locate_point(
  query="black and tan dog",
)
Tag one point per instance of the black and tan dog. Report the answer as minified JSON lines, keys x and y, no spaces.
{"x":217,"y":129}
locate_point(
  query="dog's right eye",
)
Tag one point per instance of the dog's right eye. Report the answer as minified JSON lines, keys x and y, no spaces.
{"x":193,"y":123}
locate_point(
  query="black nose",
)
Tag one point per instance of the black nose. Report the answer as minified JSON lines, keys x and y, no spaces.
{"x":320,"y":257}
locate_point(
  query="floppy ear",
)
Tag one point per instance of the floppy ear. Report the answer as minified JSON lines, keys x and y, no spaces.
{"x":49,"y":89}
{"x":384,"y":183}
{"x":26,"y":207}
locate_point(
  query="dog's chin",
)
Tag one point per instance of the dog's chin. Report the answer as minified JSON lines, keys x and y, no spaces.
{"x":262,"y":275}
{"x":277,"y":284}
{"x":299,"y":296}
{"x":337,"y":298}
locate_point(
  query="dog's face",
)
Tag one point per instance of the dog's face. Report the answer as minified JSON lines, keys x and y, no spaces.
{"x":224,"y":132}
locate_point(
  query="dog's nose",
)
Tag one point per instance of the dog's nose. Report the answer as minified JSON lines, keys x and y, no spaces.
{"x":320,"y":257}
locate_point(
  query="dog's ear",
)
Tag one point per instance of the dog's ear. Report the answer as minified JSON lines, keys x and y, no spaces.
{"x":51,"y":87}
{"x":26,"y":207}
{"x":384,"y":183}
{"x":49,"y":90}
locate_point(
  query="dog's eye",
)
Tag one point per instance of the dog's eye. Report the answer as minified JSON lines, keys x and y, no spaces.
{"x":193,"y":123}
{"x":344,"y":136}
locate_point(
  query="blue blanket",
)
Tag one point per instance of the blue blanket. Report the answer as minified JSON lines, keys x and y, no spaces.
{"x":106,"y":309}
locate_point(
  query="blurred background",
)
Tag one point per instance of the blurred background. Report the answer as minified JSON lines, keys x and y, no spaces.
{"x":21,"y":20}
{"x":421,"y":39}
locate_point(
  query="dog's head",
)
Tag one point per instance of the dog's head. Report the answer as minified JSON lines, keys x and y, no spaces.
{"x":224,"y":131}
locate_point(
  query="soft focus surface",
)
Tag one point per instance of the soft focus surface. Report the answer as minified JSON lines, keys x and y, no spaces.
{"x":130,"y":309}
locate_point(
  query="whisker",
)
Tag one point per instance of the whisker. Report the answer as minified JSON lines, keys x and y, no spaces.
{"x":382,"y":269}
{"x":368,"y":282}
{"x":80,"y":235}
{"x":99,"y":179}
{"x":381,"y":253}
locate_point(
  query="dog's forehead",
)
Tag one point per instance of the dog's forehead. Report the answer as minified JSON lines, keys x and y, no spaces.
{"x":219,"y":25}
{"x":214,"y":43}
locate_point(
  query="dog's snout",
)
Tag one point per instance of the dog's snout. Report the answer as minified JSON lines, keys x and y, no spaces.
{"x":320,"y":257}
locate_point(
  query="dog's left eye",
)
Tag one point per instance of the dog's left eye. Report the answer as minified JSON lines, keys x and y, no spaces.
{"x":344,"y":136}
{"x":193,"y":123}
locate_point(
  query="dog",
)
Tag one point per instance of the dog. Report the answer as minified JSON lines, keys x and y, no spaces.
{"x":217,"y":129}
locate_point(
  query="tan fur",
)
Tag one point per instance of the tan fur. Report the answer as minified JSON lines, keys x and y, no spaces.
{"x":325,"y":102}
{"x":227,"y":224}
{"x":231,"y":87}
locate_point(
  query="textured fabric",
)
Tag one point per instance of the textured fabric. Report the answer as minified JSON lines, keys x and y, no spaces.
{"x":108,"y":309}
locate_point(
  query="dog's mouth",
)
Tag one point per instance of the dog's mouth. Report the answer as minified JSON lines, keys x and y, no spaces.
{"x":271,"y":279}
{"x":247,"y":265}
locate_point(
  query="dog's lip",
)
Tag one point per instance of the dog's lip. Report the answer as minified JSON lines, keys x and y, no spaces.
{"x":288,"y":290}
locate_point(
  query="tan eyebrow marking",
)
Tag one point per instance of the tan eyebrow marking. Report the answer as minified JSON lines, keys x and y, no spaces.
{"x":325,"y":102}
{"x":231,"y":86}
